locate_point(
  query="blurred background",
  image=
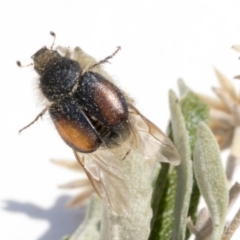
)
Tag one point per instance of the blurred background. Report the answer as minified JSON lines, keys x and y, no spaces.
{"x":161,"y":41}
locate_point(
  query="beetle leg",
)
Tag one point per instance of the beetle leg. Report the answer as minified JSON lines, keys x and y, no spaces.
{"x":105,"y":59}
{"x":35,"y":119}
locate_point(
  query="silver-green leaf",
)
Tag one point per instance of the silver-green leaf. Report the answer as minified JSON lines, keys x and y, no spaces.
{"x":90,"y":228}
{"x":137,"y":224}
{"x":211,"y":178}
{"x":184,"y":170}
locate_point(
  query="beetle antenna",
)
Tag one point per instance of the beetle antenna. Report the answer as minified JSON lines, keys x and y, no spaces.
{"x":54,"y":38}
{"x":20,"y":65}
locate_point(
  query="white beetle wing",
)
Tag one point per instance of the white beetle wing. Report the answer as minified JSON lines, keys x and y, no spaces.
{"x":105,"y":174}
{"x":155,"y":144}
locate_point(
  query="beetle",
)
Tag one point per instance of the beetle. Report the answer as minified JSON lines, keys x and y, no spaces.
{"x":97,"y":119}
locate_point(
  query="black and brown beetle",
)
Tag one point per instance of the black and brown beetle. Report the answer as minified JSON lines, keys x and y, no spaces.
{"x":97,"y":119}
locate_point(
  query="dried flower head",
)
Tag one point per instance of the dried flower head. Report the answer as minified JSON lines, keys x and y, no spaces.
{"x":225,"y":111}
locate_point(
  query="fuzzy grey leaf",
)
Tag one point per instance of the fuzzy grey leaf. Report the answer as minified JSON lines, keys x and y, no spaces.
{"x":137,"y":224}
{"x":210,"y":177}
{"x":183,"y":88}
{"x":184,"y":170}
{"x":90,"y":228}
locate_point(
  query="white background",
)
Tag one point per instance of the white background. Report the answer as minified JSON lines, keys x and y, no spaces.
{"x":161,"y":41}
